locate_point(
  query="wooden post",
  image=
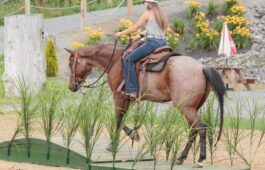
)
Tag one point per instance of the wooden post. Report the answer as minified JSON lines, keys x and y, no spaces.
{"x":130,"y":6}
{"x":24,"y":53}
{"x":27,"y":7}
{"x":44,"y":3}
{"x":110,"y":3}
{"x":83,"y":14}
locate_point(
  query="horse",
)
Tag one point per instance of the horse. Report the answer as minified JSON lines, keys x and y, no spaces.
{"x":183,"y":78}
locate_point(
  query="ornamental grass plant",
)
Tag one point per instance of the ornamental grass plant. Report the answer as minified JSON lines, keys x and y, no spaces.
{"x":91,"y":119}
{"x":70,"y":113}
{"x":110,"y":121}
{"x":208,"y":115}
{"x":233,"y":134}
{"x":152,"y":133}
{"x":137,"y":118}
{"x":255,"y":135}
{"x":49,"y":111}
{"x":27,"y":113}
{"x":174,"y":134}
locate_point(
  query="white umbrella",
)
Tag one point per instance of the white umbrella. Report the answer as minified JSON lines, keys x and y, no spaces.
{"x":227,"y":46}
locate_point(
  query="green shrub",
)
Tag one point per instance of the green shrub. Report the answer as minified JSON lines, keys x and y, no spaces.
{"x":51,"y":59}
{"x":192,"y":44}
{"x":178,"y":26}
{"x":94,"y":36}
{"x":172,"y":39}
{"x":193,"y":8}
{"x":241,"y":37}
{"x":218,"y":26}
{"x":208,"y":39}
{"x":212,"y":8}
{"x":228,"y":5}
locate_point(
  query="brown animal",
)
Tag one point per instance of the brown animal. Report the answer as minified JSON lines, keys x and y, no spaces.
{"x":183,"y":78}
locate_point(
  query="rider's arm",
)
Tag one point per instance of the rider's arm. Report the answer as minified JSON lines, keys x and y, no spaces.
{"x":143,"y":19}
{"x":143,"y":34}
{"x":138,"y":36}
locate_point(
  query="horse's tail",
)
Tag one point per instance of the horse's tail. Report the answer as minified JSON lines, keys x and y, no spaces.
{"x":218,"y":86}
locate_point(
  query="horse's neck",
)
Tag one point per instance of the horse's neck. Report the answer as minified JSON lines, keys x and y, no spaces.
{"x":115,"y":68}
{"x":106,"y":56}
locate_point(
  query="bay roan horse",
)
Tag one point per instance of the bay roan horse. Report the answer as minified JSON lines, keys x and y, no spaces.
{"x":183,"y":78}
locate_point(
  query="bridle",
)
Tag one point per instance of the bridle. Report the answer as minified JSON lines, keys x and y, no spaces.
{"x":74,"y":79}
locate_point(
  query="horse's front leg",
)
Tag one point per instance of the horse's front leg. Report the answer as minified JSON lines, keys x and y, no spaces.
{"x":122,"y":104}
{"x":132,"y":133}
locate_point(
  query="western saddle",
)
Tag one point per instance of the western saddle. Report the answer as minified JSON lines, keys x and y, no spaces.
{"x":155,"y":57}
{"x":141,"y":65}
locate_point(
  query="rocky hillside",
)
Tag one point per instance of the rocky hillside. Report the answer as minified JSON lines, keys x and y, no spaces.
{"x":251,"y":60}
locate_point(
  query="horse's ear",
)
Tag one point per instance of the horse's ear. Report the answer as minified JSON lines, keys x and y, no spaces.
{"x":70,"y":51}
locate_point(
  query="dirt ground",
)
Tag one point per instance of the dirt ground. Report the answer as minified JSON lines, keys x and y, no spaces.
{"x":8,"y":124}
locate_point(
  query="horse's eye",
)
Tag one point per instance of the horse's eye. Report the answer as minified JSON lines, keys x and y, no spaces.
{"x":78,"y":79}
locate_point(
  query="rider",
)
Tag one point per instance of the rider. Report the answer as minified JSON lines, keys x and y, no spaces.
{"x":156,"y":24}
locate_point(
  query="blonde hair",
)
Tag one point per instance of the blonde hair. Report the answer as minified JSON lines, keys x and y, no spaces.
{"x":160,"y":16}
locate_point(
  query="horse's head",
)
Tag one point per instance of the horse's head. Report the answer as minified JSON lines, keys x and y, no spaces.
{"x":80,"y":69}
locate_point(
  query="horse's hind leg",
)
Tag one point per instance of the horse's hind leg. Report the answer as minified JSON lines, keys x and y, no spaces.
{"x":192,"y":136}
{"x":196,"y":127}
{"x":193,"y":120}
{"x":202,"y":133}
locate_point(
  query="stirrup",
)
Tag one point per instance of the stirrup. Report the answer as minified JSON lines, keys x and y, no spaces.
{"x":132,"y":95}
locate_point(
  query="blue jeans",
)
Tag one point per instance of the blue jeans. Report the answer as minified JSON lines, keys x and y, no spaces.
{"x":129,"y":71}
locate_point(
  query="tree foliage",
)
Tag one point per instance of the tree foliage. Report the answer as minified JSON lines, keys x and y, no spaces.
{"x":51,"y":59}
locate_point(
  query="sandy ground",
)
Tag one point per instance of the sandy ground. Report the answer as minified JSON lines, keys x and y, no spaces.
{"x":8,"y":124}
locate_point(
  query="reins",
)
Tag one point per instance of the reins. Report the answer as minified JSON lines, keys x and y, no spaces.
{"x":106,"y":68}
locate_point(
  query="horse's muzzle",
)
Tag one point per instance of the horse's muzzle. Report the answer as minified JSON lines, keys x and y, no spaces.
{"x":74,"y":87}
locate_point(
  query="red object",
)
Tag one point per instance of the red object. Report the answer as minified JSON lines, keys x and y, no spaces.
{"x":233,"y":45}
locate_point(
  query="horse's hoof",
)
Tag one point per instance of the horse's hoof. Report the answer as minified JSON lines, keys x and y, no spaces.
{"x":135,"y":136}
{"x":109,"y":147}
{"x":198,"y":165}
{"x":179,"y":162}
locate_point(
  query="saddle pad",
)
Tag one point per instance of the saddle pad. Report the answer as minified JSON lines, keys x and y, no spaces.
{"x":159,"y":66}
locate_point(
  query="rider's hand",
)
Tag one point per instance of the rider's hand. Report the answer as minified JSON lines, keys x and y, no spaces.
{"x":118,"y":34}
{"x":135,"y":38}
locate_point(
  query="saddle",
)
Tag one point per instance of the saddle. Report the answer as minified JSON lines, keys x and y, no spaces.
{"x":154,"y":62}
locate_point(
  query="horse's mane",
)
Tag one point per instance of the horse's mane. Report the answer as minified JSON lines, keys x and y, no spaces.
{"x":108,"y":45}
